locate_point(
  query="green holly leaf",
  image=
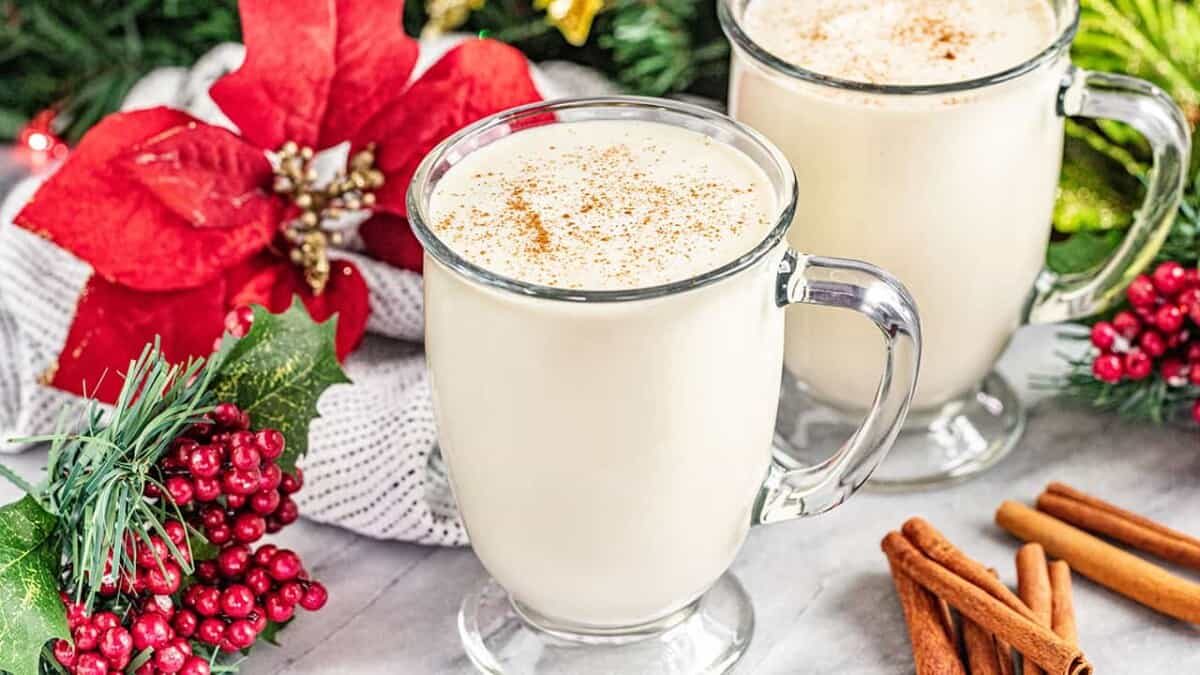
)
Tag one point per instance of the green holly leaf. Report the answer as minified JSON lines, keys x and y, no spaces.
{"x":271,"y":632}
{"x":278,"y":371}
{"x":31,"y":612}
{"x":1082,"y":251}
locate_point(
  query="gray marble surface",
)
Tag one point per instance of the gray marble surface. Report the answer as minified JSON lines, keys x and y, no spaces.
{"x":822,"y":594}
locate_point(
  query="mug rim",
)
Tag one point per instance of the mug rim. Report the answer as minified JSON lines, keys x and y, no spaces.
{"x":738,"y":37}
{"x":420,"y":190}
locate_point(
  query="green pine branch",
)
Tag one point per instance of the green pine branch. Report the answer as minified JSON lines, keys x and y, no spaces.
{"x":83,"y":57}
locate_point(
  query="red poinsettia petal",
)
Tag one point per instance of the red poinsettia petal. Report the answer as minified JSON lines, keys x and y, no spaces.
{"x":113,"y":323}
{"x":207,"y":176}
{"x":253,"y":282}
{"x":390,"y":239}
{"x":98,"y":210}
{"x":281,"y":90}
{"x":374,"y":59}
{"x":472,"y":81}
{"x":345,"y":295}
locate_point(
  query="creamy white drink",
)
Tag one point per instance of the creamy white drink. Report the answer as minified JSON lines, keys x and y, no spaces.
{"x":952,"y":193}
{"x":605,"y":456}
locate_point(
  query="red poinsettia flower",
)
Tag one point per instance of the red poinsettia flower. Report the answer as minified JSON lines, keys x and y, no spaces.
{"x":181,"y":221}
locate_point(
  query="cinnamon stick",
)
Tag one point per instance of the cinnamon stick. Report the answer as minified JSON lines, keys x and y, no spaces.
{"x":1062,"y":619}
{"x":1078,"y":508}
{"x":933,"y":653}
{"x":1003,"y":651}
{"x":1033,"y":585}
{"x":1103,"y":563}
{"x":982,"y":657}
{"x":933,"y":544}
{"x":1038,"y":643}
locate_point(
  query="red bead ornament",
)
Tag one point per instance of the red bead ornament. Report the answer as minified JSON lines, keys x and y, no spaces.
{"x":64,"y":653}
{"x":277,"y":609}
{"x":315,"y":596}
{"x":263,"y":554}
{"x":1142,"y":291}
{"x":1138,"y":365}
{"x":1169,"y":319}
{"x":91,"y":663}
{"x":233,"y":561}
{"x":291,"y":593}
{"x":206,"y":489}
{"x":1127,"y":325}
{"x":176,"y":533}
{"x":249,"y":527}
{"x":239,"y":320}
{"x":164,"y":580}
{"x":237,"y":601}
{"x":211,"y":631}
{"x":284,"y":566}
{"x":87,"y":637}
{"x":150,"y":630}
{"x":180,"y":490}
{"x":1169,"y":278}
{"x":116,"y":644}
{"x":1103,"y":335}
{"x":226,"y":415}
{"x":1152,"y":343}
{"x":185,"y":623}
{"x":171,"y":657}
{"x":205,"y":461}
{"x":1109,"y":368}
{"x":148,"y":556}
{"x":105,"y":621}
{"x":241,"y":633}
{"x":195,"y":666}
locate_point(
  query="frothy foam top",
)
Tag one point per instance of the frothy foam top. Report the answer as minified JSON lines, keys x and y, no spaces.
{"x":603,"y":205}
{"x":902,"y":42}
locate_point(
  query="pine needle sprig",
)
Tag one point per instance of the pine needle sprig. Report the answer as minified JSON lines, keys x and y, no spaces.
{"x":1151,"y":399}
{"x":96,"y":478}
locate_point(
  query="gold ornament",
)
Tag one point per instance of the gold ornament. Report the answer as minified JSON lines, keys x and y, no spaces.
{"x":446,"y":15}
{"x":572,"y":18}
{"x":312,"y":233}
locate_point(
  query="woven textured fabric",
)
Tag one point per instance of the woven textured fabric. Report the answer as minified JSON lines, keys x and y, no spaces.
{"x":368,"y":467}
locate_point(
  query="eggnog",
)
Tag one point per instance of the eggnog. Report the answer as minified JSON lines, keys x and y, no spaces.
{"x":952,"y":191}
{"x":605,"y":455}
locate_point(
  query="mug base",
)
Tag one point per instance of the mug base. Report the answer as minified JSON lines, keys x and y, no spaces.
{"x":706,"y":637}
{"x":961,"y":439}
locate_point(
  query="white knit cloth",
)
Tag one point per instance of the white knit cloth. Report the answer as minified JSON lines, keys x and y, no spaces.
{"x":368,"y":465}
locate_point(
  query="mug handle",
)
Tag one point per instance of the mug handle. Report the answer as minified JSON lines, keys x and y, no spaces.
{"x":1148,"y":109}
{"x":836,"y":282}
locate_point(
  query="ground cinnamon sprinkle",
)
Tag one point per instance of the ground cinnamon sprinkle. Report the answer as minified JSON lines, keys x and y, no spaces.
{"x":605,"y":213}
{"x":532,"y":222}
{"x":943,"y":36}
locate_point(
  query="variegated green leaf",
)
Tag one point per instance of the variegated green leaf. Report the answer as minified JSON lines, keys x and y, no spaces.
{"x":30,"y":611}
{"x":278,"y":371}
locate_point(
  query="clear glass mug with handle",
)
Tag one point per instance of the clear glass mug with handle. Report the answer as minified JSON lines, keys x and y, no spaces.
{"x":951,"y":188}
{"x":609,"y":450}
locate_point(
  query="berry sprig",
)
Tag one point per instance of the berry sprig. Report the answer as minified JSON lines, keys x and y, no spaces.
{"x":222,"y":480}
{"x":225,"y":477}
{"x":1159,"y":333}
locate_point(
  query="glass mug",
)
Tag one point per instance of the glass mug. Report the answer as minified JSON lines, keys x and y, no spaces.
{"x":951,"y":188}
{"x":609,"y":450}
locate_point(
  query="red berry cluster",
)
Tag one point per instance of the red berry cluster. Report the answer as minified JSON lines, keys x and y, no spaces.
{"x":102,"y":644}
{"x":226,"y":477}
{"x":240,"y":591}
{"x":225,"y":481}
{"x":1162,"y":332}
